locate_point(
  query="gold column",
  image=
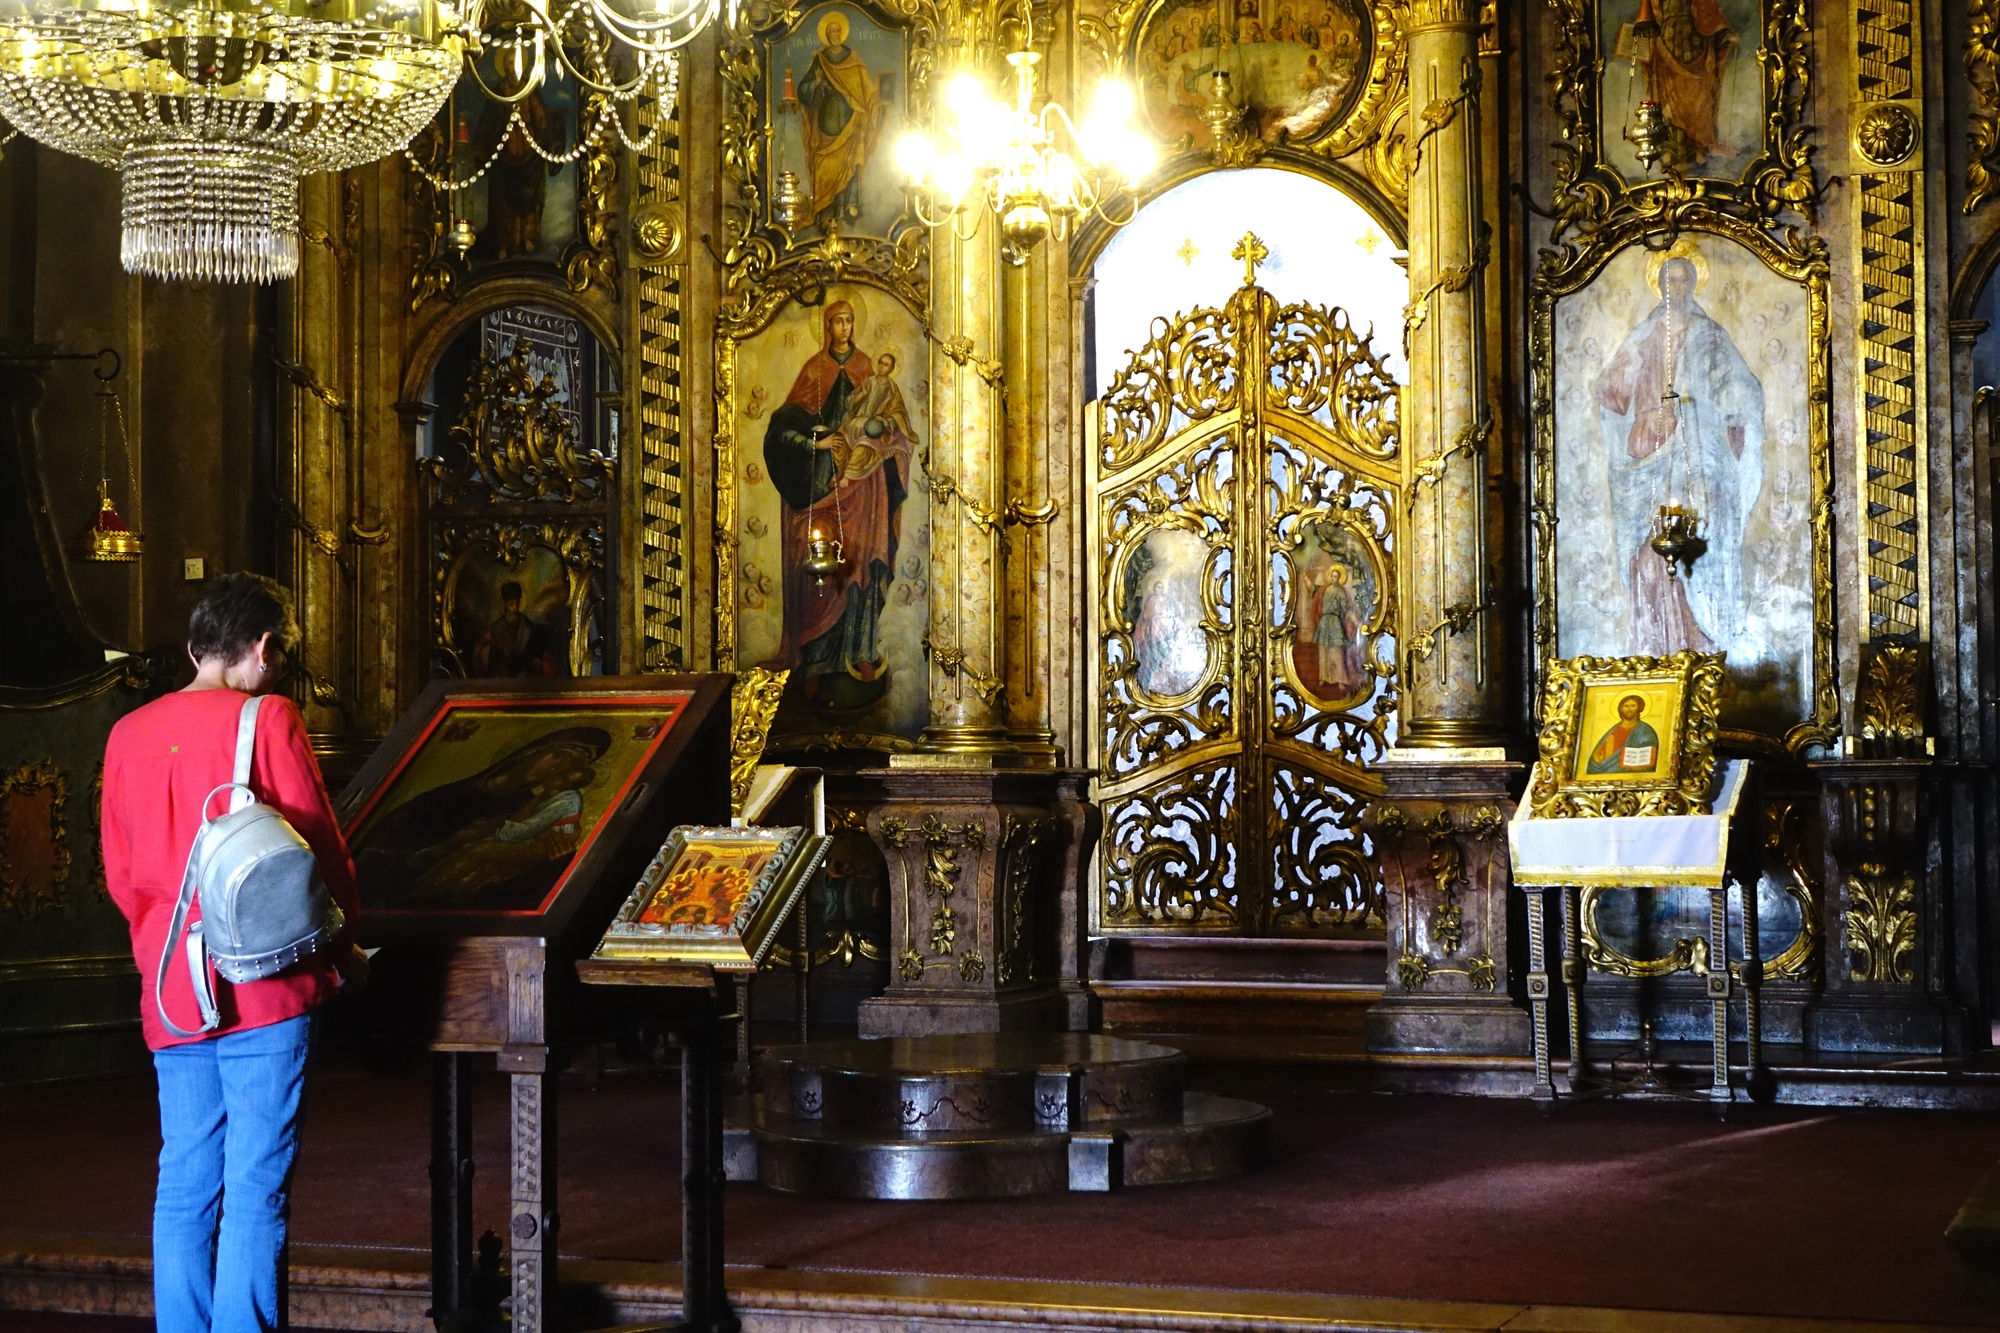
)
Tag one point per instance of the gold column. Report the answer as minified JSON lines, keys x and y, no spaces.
{"x":1451,"y":694}
{"x":967,"y":468}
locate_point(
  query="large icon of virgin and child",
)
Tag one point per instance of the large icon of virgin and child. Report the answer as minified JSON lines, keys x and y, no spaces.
{"x":838,"y":451}
{"x":498,"y":839}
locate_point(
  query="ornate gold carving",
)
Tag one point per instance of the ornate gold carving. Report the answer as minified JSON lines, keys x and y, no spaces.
{"x":1684,"y":208}
{"x":753,"y":703}
{"x":952,"y":662}
{"x":1443,"y":14}
{"x":1687,"y":791}
{"x":513,"y":443}
{"x":434,"y":270}
{"x":1881,"y":923}
{"x":1887,"y":134}
{"x":661,"y":415}
{"x":1234,"y":799}
{"x":1889,"y":705}
{"x":592,"y":258}
{"x":941,"y":870}
{"x":1590,"y":194}
{"x":659,"y":233}
{"x":33,"y":887}
{"x":1891,"y":396}
{"x":1784,"y":838}
{"x":1110,"y":45}
{"x":1982,"y":121}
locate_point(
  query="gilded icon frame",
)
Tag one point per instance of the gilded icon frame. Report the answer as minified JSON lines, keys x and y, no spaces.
{"x":1796,"y":259}
{"x":1571,"y":714}
{"x":1590,"y":192}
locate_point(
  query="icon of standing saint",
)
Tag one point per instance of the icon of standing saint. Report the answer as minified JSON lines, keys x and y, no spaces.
{"x":1682,"y":422}
{"x":838,"y":450}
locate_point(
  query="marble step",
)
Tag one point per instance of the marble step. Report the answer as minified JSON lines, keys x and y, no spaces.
{"x":983,"y":1117}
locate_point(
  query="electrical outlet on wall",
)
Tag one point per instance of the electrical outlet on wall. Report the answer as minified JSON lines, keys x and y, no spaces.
{"x":194,"y":568}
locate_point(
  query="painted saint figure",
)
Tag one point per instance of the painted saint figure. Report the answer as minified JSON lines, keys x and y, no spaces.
{"x":841,"y":106}
{"x":518,"y":181}
{"x":842,"y":474}
{"x":513,"y":645}
{"x":1628,"y":745}
{"x":1684,"y":68}
{"x":498,"y":840}
{"x":1163,"y":606}
{"x":1682,"y":421}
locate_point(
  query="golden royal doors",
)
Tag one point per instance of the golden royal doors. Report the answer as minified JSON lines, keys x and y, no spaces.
{"x":1244,"y":476}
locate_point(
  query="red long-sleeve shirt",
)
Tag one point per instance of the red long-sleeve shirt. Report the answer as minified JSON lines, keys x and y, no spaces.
{"x":162,"y":760}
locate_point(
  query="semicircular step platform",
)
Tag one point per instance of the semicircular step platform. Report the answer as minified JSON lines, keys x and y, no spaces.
{"x":983,"y":1116}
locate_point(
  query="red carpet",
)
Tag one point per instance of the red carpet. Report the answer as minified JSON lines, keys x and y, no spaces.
{"x":1833,"y":1214}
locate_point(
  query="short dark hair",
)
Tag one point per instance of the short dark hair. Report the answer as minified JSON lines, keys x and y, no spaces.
{"x":235,"y":611}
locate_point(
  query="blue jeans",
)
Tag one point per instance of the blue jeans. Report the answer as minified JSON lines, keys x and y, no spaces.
{"x":229,"y":1119}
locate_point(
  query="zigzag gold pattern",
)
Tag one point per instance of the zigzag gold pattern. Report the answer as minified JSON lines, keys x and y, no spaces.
{"x":663,"y":559}
{"x":1890,"y":390}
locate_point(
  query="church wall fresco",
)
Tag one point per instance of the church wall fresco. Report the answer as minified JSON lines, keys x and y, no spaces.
{"x":1730,"y":339}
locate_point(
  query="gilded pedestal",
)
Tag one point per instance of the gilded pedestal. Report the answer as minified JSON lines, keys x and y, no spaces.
{"x":1883,"y":979}
{"x":983,"y":915}
{"x":1441,"y":831}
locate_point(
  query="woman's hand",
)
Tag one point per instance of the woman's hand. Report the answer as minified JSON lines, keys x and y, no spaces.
{"x":352,"y":965}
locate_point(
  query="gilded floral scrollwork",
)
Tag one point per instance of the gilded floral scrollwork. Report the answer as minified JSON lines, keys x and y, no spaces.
{"x":592,"y":259}
{"x":1170,"y":852}
{"x":1324,"y":867}
{"x":1185,"y":374}
{"x":1322,"y":367}
{"x":1881,"y":923}
{"x":1245,"y":476}
{"x":753,"y":704}
{"x":1589,"y":194}
{"x":513,"y":442}
{"x":1982,"y":121}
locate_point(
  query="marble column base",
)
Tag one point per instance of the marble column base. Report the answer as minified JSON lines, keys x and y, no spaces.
{"x":1440,"y":829}
{"x":984,"y":919}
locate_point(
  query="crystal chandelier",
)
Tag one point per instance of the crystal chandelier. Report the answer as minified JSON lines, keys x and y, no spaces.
{"x":1007,"y":159}
{"x":212,"y":110}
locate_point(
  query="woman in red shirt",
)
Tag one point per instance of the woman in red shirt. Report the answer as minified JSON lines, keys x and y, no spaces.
{"x":229,"y":1098}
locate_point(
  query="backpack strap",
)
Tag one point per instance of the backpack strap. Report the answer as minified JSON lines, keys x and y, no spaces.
{"x":240,"y":795}
{"x":246,"y":751}
{"x":197,"y":957}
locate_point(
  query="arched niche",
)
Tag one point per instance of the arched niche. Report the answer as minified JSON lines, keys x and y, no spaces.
{"x":1326,"y":247}
{"x":515,"y":418}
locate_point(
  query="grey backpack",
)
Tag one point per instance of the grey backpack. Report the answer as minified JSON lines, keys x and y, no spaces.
{"x":263,"y":903}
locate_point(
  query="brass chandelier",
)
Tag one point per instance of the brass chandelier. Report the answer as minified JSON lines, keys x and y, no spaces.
{"x":212,"y":110}
{"x":1007,"y":159}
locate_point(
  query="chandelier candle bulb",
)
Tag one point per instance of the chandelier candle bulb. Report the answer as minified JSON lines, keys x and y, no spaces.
{"x":1009,"y":158}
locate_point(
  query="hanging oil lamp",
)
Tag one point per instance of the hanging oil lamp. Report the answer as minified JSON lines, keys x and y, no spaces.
{"x":110,"y":538}
{"x":824,"y":557}
{"x":1676,"y":537}
{"x":1647,"y":133}
{"x":788,"y":201}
